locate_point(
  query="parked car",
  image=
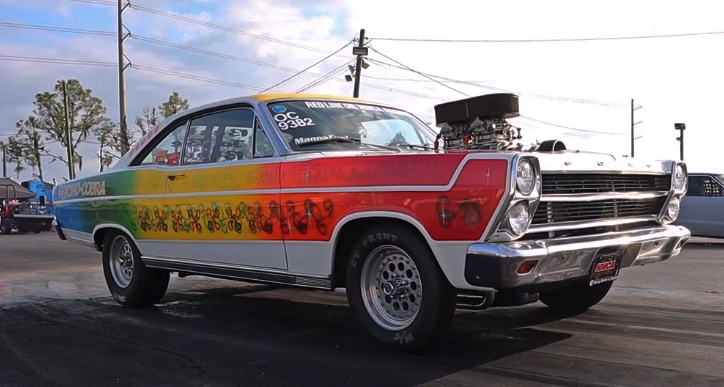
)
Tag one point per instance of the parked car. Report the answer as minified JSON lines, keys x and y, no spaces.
{"x":702,"y":210}
{"x":325,"y":192}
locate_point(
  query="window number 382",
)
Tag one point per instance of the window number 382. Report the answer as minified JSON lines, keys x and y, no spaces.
{"x":291,"y":120}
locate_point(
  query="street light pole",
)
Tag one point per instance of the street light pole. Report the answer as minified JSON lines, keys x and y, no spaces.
{"x":680,"y":127}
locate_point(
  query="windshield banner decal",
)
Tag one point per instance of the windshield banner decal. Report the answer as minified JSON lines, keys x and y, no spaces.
{"x":345,"y":105}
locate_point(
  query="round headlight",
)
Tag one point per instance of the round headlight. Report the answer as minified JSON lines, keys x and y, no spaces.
{"x":518,"y":217}
{"x":525,"y":177}
{"x":672,"y":211}
{"x":679,"y":177}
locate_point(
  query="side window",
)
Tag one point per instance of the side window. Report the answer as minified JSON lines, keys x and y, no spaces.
{"x":219,"y":137}
{"x":263,"y":146}
{"x":704,"y":186}
{"x":168,"y":151}
{"x":711,"y":187}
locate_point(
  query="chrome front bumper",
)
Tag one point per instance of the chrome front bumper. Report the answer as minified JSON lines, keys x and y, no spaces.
{"x":496,"y":266}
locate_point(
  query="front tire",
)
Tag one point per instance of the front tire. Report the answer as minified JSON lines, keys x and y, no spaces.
{"x":396,"y":290}
{"x":576,"y":298}
{"x":130,"y":282}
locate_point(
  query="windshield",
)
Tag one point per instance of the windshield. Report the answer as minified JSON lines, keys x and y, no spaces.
{"x":308,"y":125}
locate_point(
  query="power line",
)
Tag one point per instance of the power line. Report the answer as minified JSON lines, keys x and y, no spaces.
{"x":207,"y":7}
{"x":570,"y":133}
{"x":308,"y":67}
{"x":529,"y":118}
{"x":224,"y":28}
{"x":211,"y":53}
{"x":195,"y":77}
{"x":135,"y":66}
{"x":97,"y":2}
{"x":57,"y":29}
{"x":552,"y":40}
{"x":325,"y":78}
{"x":488,"y":87}
{"x":57,"y":61}
{"x":570,"y":128}
{"x":420,"y":73}
{"x":209,"y":25}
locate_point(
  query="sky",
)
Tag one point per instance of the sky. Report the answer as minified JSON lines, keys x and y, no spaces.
{"x":579,"y":92}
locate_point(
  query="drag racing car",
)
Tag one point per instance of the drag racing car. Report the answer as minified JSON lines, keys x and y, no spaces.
{"x":326,"y":192}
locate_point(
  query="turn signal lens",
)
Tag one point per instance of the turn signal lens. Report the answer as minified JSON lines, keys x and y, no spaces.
{"x":527,"y":267}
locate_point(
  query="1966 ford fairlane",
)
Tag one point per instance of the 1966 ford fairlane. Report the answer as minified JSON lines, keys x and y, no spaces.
{"x":329,"y":192}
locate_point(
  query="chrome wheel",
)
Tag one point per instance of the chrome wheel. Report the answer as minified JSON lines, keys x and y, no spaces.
{"x":121,"y":260}
{"x":391,"y":287}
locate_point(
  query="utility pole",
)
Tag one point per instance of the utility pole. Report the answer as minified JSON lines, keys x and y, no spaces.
{"x":68,"y":134}
{"x":680,"y":127}
{"x":633,"y":124}
{"x":360,"y":51}
{"x":101,"y":153}
{"x":36,"y":153}
{"x":122,"y":66}
{"x":5,"y":158}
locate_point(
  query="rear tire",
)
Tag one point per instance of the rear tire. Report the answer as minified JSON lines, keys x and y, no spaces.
{"x":130,"y":282}
{"x":6,"y":226}
{"x":576,"y":298}
{"x":396,"y":290}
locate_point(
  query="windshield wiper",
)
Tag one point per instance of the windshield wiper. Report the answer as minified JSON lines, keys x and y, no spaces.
{"x":345,"y":139}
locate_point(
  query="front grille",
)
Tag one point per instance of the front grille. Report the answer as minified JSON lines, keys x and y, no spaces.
{"x":557,"y":184}
{"x":558,"y":212}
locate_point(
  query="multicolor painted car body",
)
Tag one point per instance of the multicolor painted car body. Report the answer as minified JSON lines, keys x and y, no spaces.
{"x":278,"y":210}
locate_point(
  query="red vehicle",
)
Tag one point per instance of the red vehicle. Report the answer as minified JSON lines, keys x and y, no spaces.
{"x":16,"y":213}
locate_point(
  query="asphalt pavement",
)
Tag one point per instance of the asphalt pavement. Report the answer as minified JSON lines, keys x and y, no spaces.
{"x":661,"y":325}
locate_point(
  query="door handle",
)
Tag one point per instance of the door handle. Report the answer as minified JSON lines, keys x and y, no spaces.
{"x":174,"y":175}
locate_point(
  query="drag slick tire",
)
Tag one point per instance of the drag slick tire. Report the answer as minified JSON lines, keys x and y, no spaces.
{"x":130,"y":282}
{"x":396,"y":290}
{"x":576,"y":298}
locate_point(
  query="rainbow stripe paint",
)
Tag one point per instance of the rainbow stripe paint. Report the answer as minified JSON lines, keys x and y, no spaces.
{"x":290,"y":200}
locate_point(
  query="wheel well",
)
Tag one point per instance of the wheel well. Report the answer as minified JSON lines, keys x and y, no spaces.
{"x":346,"y":238}
{"x":100,"y":236}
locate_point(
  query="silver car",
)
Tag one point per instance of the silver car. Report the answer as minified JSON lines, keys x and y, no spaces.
{"x":702,"y":209}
